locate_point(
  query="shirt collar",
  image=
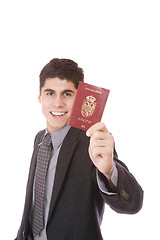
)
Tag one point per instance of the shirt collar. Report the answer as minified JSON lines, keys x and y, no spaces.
{"x":58,"y":136}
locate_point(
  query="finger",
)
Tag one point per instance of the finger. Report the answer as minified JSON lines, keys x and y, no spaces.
{"x":98,"y":143}
{"x":99,"y":152}
{"x":96,"y":127}
{"x":98,"y":135}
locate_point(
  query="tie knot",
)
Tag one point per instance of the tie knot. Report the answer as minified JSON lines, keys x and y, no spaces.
{"x":47,"y":140}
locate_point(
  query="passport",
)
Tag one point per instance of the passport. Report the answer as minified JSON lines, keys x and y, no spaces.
{"x":88,"y":106}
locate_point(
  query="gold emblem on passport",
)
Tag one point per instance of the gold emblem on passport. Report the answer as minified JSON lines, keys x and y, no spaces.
{"x":88,"y":106}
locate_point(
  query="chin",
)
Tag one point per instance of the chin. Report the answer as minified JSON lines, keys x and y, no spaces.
{"x":54,"y":127}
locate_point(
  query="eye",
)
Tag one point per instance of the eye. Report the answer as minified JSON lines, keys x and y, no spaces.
{"x":67,"y":94}
{"x":50,"y":93}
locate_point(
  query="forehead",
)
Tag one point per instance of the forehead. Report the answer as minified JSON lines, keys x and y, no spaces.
{"x":58,"y":84}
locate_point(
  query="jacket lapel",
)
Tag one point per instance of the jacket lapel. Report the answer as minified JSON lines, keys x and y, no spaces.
{"x":65,"y":155}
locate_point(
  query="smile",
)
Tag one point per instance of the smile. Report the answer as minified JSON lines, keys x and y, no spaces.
{"x":58,"y":113}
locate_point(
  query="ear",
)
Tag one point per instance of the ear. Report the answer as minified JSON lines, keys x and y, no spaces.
{"x":39,"y":97}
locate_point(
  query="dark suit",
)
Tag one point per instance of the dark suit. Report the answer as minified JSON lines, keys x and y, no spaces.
{"x":77,"y":204}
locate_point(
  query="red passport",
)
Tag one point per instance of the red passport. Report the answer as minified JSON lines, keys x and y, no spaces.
{"x":88,"y":106}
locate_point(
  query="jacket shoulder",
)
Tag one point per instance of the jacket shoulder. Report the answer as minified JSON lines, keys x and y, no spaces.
{"x":38,"y":137}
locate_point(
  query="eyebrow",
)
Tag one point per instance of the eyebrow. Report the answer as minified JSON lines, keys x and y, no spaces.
{"x":53,"y":91}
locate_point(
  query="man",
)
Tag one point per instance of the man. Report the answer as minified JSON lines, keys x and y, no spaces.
{"x":83,"y":171}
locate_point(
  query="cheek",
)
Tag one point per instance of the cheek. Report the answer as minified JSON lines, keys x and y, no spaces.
{"x":71,"y":103}
{"x":45,"y":105}
{"x":70,"y":106}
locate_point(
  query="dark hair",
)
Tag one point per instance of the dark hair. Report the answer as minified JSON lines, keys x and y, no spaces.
{"x":63,"y":69}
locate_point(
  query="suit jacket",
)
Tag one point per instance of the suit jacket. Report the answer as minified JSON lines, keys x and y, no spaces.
{"x":77,"y":204}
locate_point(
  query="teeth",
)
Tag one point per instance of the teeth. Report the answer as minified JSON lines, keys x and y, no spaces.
{"x":58,"y":113}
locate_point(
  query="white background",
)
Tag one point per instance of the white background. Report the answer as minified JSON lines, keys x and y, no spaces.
{"x":117,"y":43}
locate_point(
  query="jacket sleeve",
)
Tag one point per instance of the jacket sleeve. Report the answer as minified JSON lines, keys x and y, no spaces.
{"x":129,"y":197}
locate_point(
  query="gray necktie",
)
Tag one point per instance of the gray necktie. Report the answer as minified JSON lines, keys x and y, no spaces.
{"x":43,"y":159}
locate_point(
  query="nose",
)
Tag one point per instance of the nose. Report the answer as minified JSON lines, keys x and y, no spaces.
{"x":58,"y":102}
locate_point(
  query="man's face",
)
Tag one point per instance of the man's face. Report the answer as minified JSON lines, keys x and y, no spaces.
{"x":57,"y":98}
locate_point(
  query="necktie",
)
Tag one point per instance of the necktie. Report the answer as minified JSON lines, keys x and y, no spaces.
{"x":43,"y":158}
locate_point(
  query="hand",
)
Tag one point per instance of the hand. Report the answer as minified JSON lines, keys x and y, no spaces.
{"x":101,"y":148}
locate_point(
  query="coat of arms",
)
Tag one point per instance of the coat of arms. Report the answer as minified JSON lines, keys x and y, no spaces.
{"x":88,"y":106}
